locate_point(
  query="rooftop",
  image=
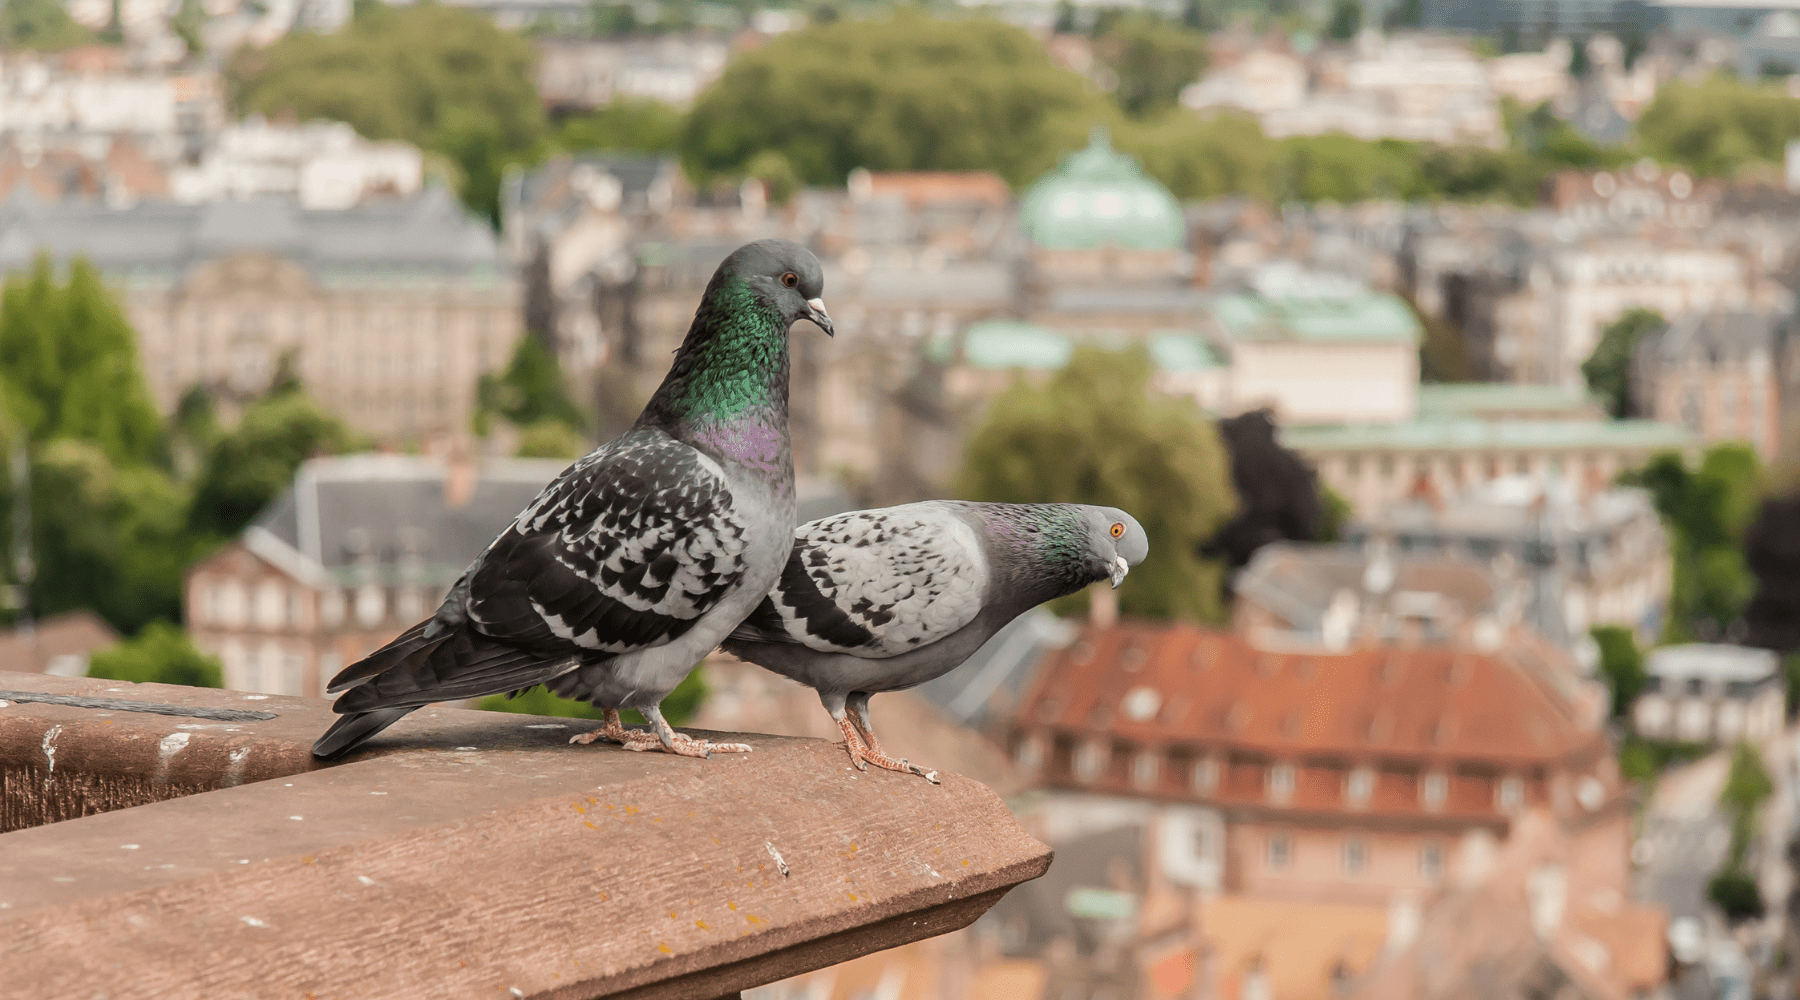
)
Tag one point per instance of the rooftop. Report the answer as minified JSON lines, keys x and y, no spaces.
{"x":1496,"y":435}
{"x":1293,"y":315}
{"x":1100,"y":197}
{"x":1500,"y":399}
{"x":1009,"y":343}
{"x":1711,"y":661}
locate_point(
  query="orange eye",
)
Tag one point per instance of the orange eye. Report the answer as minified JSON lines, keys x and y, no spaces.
{"x":1117,"y":530}
{"x":790,"y":279}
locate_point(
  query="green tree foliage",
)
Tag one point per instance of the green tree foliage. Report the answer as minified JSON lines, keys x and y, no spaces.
{"x":1346,"y":20}
{"x":1644,"y":760}
{"x":1720,"y":125}
{"x":39,"y":24}
{"x":530,"y":391}
{"x":1705,"y":512}
{"x":680,"y":706}
{"x":69,"y":364}
{"x":106,"y":536}
{"x":1748,"y":784}
{"x":160,"y":654}
{"x":910,"y":93}
{"x":551,"y":439}
{"x":1151,"y":60}
{"x":443,"y":78}
{"x":1098,"y":433}
{"x":627,"y":125}
{"x":1734,"y":891}
{"x":251,"y":465}
{"x":1621,"y":665}
{"x":1608,"y":369}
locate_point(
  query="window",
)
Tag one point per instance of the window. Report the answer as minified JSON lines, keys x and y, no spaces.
{"x":1280,"y":851}
{"x":331,"y":608}
{"x":1281,"y":782}
{"x":1030,"y":755}
{"x":1434,"y":790}
{"x":1206,"y":775}
{"x":1431,"y":862}
{"x":1090,"y":760}
{"x":371,"y":605}
{"x":1356,"y":855}
{"x":1358,"y":786}
{"x":1144,"y":769}
{"x":1511,"y":796}
{"x":1203,"y":842}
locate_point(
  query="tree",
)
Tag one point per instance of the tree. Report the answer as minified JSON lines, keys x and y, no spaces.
{"x":1735,"y":891}
{"x":1346,"y":20}
{"x":626,"y":125}
{"x":1608,"y":369}
{"x":1278,"y":493}
{"x":69,"y":365}
{"x":251,"y":465}
{"x":1097,"y":433}
{"x":442,"y":78}
{"x":1705,"y":512}
{"x":909,"y":93}
{"x":530,"y":391}
{"x":1719,"y":126}
{"x":1621,"y":665}
{"x":1152,"y":60}
{"x":160,"y":654}
{"x":680,"y":706}
{"x":38,"y":24}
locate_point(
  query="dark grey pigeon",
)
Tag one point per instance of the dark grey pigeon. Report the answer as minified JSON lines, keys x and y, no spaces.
{"x":884,"y":600}
{"x":640,"y":557}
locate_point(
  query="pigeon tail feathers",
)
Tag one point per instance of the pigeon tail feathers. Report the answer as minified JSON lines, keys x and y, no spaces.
{"x":352,"y":731}
{"x":410,"y":642}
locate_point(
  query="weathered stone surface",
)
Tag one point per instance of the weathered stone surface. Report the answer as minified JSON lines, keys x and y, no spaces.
{"x":425,"y":868}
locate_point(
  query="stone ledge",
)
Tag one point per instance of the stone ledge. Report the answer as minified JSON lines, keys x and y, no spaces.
{"x":233,"y":864}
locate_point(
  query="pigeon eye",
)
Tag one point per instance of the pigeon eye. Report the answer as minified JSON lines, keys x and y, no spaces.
{"x":790,"y":279}
{"x":1117,"y":530}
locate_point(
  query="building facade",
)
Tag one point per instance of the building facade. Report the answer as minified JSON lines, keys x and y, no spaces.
{"x":1708,"y":693}
{"x":1716,"y":373}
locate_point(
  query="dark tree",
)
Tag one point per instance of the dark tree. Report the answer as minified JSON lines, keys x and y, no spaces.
{"x":1772,"y":549}
{"x":1278,"y":493}
{"x":1346,"y":20}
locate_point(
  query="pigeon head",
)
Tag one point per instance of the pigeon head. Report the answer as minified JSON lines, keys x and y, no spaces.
{"x":1115,"y":542}
{"x":783,"y":274}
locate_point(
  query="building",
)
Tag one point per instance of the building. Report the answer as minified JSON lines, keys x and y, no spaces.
{"x":1377,"y":465}
{"x":60,"y":644}
{"x":389,"y":312}
{"x":1097,"y":218}
{"x":1715,"y":373}
{"x":1706,"y":693}
{"x":326,"y":165}
{"x":1579,"y":558}
{"x":583,"y":74}
{"x":361,"y":548}
{"x":1357,"y":777}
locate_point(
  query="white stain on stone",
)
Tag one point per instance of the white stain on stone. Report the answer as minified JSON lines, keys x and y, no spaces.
{"x":63,"y":878}
{"x":252,"y":921}
{"x":365,"y":880}
{"x":128,"y":847}
{"x":256,"y":697}
{"x":296,"y":817}
{"x":172,"y":744}
{"x":462,"y":748}
{"x":50,"y":754}
{"x":547,"y":725}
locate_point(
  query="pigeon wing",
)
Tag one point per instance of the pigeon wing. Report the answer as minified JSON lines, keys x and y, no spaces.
{"x":624,"y":551}
{"x":876,"y":583}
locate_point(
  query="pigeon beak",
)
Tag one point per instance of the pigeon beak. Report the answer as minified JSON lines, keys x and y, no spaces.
{"x":1120,"y":568}
{"x":815,"y":311}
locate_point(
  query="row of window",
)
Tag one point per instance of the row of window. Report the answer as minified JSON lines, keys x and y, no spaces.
{"x":1091,"y":758}
{"x":1353,"y":856}
{"x":274,"y":604}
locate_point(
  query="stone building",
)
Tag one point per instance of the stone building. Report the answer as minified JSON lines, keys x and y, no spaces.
{"x":1097,"y":219}
{"x":1707,"y":693}
{"x":389,"y":312}
{"x":1716,"y":373}
{"x":361,"y":548}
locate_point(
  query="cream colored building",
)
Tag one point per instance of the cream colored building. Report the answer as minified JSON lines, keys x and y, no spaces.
{"x":389,"y":312}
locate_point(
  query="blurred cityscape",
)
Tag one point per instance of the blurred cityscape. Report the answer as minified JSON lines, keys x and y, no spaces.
{"x":1447,"y":350}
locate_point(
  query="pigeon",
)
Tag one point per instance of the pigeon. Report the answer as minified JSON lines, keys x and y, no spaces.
{"x":633,"y":563}
{"x":884,"y":600}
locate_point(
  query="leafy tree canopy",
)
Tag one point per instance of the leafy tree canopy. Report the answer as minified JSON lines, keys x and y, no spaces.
{"x":251,"y":465}
{"x":160,"y":654}
{"x":627,"y":125}
{"x":69,"y":364}
{"x":1772,"y":551}
{"x":1151,"y":59}
{"x":530,"y":391}
{"x":443,"y":78}
{"x":910,"y":93}
{"x":1608,"y":369}
{"x":1720,"y":125}
{"x":1098,"y":433}
{"x":1279,"y":497}
{"x":39,"y":24}
{"x":1706,"y":512}
{"x":1621,"y":665}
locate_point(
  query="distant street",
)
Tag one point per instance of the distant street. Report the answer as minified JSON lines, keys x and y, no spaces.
{"x":1687,"y":839}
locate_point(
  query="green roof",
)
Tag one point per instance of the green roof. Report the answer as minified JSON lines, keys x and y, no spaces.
{"x":1008,"y":343}
{"x":1360,"y":317}
{"x":1439,"y":435}
{"x":1462,"y":399}
{"x":1101,"y":197}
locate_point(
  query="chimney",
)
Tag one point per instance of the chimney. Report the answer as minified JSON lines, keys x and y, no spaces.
{"x":460,"y":476}
{"x":1103,"y":606}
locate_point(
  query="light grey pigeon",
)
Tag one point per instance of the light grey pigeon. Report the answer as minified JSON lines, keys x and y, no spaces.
{"x":640,"y":557}
{"x":884,"y":600}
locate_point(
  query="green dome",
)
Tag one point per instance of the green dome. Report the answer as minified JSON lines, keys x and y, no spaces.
{"x":1100,"y":197}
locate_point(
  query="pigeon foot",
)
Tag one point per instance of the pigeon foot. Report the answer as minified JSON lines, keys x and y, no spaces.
{"x":613,"y":731}
{"x":862,"y":755}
